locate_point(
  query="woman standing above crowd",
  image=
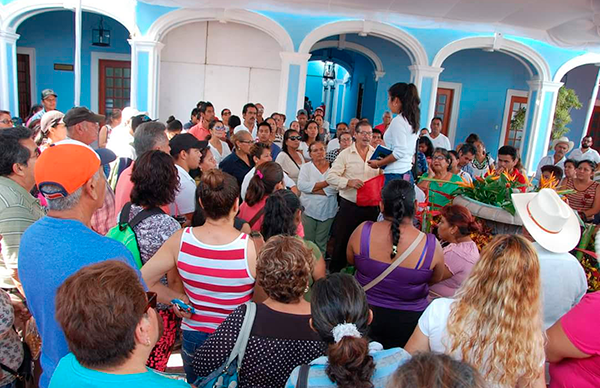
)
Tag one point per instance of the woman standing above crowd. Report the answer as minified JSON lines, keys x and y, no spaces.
{"x":494,"y":321}
{"x":402,"y":134}
{"x":218,"y":140}
{"x":341,"y":316}
{"x":395,"y":263}
{"x":318,"y":198}
{"x":291,"y":156}
{"x":455,"y":227}
{"x":216,"y":262}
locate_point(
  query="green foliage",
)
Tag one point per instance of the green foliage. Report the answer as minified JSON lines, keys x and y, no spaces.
{"x":567,"y":100}
{"x":518,"y":121}
{"x":492,"y":190}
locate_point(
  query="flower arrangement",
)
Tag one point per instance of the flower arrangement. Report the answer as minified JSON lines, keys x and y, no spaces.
{"x":585,"y":253}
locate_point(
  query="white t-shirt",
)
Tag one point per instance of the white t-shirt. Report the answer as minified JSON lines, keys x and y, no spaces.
{"x":319,"y":207}
{"x":440,"y":142}
{"x":590,"y":154}
{"x":185,"y":200}
{"x":563,"y":283}
{"x":217,"y":155}
{"x":303,"y":147}
{"x":289,"y":183}
{"x":242,"y":127}
{"x":400,"y":138}
{"x":333,"y":144}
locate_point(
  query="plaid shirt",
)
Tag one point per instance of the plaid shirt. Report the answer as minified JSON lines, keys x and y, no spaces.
{"x":331,"y":155}
{"x":104,"y":218}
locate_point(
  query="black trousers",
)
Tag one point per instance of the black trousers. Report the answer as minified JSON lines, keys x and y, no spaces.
{"x":393,"y":328}
{"x":348,"y":218}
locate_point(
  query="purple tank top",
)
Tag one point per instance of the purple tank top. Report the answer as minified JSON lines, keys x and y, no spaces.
{"x":403,"y":288}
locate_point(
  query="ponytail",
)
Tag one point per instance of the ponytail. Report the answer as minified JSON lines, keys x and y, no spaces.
{"x":263,"y":183}
{"x":395,"y":227}
{"x":349,"y":363}
{"x":462,"y":218}
{"x":409,"y":97}
{"x":280,"y":209}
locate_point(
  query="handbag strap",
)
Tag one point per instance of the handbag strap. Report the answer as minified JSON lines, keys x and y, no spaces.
{"x":395,"y":263}
{"x":243,"y":336}
{"x":11,"y":371}
{"x":303,"y":376}
{"x":260,"y":213}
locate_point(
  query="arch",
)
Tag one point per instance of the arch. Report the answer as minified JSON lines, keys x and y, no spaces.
{"x":585,"y":59}
{"x":17,"y":12}
{"x":352,"y":47}
{"x":496,"y":43}
{"x":415,"y":50}
{"x":178,"y":18}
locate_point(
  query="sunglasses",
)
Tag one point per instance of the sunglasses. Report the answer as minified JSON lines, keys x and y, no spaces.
{"x":219,"y":128}
{"x":295,"y":138}
{"x":152,"y":299}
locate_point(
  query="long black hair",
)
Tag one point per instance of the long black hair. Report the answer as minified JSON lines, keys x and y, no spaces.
{"x":427,"y":141}
{"x":339,"y":299}
{"x":409,"y":97}
{"x":398,"y":198}
{"x":280,"y":211}
{"x":266,"y":177}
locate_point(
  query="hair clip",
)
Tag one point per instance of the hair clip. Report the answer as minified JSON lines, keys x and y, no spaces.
{"x":345,"y":330}
{"x":394,"y":250}
{"x":260,"y":174}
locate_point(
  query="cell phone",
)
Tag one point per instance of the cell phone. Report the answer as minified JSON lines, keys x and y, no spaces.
{"x":182,"y":306}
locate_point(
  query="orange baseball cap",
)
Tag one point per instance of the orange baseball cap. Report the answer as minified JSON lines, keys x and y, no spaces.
{"x":68,"y":164}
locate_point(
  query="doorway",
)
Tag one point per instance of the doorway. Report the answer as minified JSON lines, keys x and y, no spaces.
{"x":114,"y":85}
{"x":24,"y":84}
{"x":514,"y":137}
{"x":594,"y":127}
{"x":443,"y":107}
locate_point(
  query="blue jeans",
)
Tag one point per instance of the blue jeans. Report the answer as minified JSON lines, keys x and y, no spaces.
{"x":191,"y":340}
{"x":407,"y":176}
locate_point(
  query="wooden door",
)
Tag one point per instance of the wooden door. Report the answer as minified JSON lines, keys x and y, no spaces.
{"x":515,"y":137}
{"x":23,"y":85}
{"x":443,"y":107}
{"x":594,"y":127}
{"x":114,"y":85}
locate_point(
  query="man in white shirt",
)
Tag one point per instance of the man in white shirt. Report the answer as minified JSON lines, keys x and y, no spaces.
{"x":249,"y":113}
{"x":185,"y":150}
{"x":586,"y":151}
{"x":561,"y":147}
{"x":553,"y":228}
{"x":349,"y":172}
{"x":438,"y":139}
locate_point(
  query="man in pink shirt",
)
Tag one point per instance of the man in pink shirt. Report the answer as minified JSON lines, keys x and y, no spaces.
{"x":148,"y":136}
{"x":387,"y":119}
{"x":207,"y":114}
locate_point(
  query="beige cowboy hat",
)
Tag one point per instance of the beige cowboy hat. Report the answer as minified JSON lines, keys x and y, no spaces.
{"x":563,"y":139}
{"x":548,"y":219}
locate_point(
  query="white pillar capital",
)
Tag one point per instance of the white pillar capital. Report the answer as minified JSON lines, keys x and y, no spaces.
{"x":379,"y":75}
{"x":293,"y":58}
{"x":9,"y":37}
{"x":141,"y":44}
{"x":425,"y":71}
{"x":548,"y":86}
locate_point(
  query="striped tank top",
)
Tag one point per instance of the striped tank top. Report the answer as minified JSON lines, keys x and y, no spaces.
{"x":216,"y":278}
{"x":581,"y":200}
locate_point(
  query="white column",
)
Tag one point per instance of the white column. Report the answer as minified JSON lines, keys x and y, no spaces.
{"x":591,"y":107}
{"x":287,"y":84}
{"x":542,"y":105}
{"x":9,"y":96}
{"x":145,"y":71}
{"x":77,"y":61}
{"x":336,"y":96}
{"x":426,"y":79}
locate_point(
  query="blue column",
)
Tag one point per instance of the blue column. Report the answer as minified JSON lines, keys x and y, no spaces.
{"x":292,"y":83}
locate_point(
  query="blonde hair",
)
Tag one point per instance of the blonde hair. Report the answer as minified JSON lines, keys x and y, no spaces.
{"x":495,"y":323}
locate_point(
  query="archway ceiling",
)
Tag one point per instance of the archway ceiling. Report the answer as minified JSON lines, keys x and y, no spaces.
{"x":567,"y":23}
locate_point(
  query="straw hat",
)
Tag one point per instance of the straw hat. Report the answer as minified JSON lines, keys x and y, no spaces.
{"x":564,"y":140}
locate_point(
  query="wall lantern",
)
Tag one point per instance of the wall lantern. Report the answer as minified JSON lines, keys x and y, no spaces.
{"x":100,"y":35}
{"x":329,"y":70}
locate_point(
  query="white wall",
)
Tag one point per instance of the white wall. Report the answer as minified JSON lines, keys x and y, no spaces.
{"x":227,"y":64}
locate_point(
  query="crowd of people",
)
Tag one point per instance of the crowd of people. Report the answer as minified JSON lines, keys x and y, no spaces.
{"x":292,"y":256}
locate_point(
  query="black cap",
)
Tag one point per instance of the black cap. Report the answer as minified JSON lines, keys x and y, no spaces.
{"x":80,"y":114}
{"x":185,"y":142}
{"x":138,"y":120}
{"x":302,"y":112}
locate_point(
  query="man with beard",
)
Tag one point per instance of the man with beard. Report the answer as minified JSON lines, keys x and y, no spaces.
{"x":586,"y":151}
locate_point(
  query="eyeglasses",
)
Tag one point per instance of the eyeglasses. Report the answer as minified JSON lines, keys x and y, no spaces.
{"x":295,"y":138}
{"x":6,"y":121}
{"x":247,"y":141}
{"x":439,"y":157}
{"x":365,"y":133}
{"x":152,"y":299}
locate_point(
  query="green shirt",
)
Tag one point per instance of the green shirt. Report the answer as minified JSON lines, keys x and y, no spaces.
{"x":437,"y":199}
{"x":18,"y":210}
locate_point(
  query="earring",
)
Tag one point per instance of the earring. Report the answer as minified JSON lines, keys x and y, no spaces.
{"x":306,"y":289}
{"x":148,"y":342}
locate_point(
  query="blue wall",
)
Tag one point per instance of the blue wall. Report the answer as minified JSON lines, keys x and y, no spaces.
{"x":485,"y":79}
{"x":59,"y":47}
{"x":582,"y":80}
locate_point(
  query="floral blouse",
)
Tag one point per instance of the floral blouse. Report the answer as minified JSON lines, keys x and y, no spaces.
{"x":11,"y":349}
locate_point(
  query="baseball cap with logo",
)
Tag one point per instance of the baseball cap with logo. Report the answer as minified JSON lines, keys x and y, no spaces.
{"x":68,"y":164}
{"x":80,"y":114}
{"x":47,"y":93}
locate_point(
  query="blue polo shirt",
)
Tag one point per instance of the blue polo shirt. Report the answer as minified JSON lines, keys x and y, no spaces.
{"x":235,"y":166}
{"x":275,"y":150}
{"x":53,"y":249}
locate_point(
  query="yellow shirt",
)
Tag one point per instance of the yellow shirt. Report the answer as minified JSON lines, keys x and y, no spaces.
{"x":349,"y":165}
